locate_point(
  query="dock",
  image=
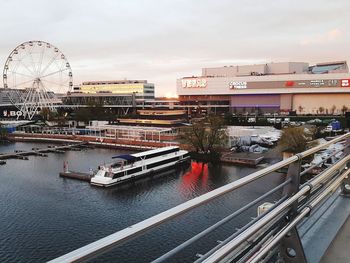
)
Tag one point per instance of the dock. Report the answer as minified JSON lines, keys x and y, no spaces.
{"x":245,"y":159}
{"x":76,"y":175}
{"x":23,"y":155}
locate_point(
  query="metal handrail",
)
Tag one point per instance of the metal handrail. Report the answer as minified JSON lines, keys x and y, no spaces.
{"x":218,"y":224}
{"x":239,"y":231}
{"x":223,"y":252}
{"x":305,"y":211}
{"x":105,"y":243}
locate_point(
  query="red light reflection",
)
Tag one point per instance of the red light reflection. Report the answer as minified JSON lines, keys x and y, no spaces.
{"x":198,"y":173}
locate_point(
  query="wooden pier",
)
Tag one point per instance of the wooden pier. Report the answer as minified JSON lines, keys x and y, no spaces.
{"x":76,"y":175}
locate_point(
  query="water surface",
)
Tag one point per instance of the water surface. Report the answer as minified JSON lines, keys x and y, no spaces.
{"x":44,"y":216}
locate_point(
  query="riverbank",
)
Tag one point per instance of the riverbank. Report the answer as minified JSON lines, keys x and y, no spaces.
{"x":241,"y":159}
{"x":109,"y":143}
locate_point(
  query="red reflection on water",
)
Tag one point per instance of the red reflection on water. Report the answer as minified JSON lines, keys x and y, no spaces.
{"x":197,"y":173}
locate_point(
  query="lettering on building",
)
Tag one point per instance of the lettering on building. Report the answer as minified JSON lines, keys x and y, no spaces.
{"x":238,"y":85}
{"x":317,"y":83}
{"x":12,"y":113}
{"x":333,"y":82}
{"x":345,"y":82}
{"x":194,"y":83}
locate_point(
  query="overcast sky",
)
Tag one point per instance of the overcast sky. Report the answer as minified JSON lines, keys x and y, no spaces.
{"x":167,"y":39}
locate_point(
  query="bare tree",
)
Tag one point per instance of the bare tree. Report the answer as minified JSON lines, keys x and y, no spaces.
{"x":344,"y":109}
{"x":333,"y":109}
{"x":321,"y":110}
{"x":300,"y":108}
{"x":206,"y":135}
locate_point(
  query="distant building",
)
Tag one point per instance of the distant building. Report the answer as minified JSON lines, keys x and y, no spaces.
{"x":7,"y":109}
{"x":268,"y":88}
{"x":4,"y":98}
{"x":141,"y":88}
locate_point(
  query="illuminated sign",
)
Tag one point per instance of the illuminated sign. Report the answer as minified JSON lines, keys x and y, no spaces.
{"x":289,"y":83}
{"x":238,"y":85}
{"x":194,"y":83}
{"x":345,"y":82}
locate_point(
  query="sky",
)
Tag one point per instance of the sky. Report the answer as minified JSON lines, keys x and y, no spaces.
{"x":163,"y":40}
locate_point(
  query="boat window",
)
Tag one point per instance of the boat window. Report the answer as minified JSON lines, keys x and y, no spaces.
{"x":162,"y":162}
{"x":135,"y":170}
{"x":114,"y":165}
{"x":116,"y":175}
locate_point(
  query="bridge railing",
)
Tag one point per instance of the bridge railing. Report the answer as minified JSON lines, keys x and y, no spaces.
{"x":270,"y":234}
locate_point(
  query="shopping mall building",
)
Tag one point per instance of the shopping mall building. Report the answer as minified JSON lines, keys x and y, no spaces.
{"x":268,"y":88}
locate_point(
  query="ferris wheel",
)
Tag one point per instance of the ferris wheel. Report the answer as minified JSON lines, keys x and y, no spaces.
{"x":34,"y":73}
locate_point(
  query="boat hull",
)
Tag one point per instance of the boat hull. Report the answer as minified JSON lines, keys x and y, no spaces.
{"x":108,"y":182}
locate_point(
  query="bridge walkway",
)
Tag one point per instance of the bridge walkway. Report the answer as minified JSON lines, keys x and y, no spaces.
{"x":339,"y":250}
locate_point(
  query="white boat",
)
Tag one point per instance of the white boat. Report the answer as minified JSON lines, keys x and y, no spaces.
{"x":132,"y":166}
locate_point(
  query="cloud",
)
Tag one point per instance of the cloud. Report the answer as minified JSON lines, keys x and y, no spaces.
{"x":164,"y":40}
{"x":329,"y":36}
{"x":334,"y":34}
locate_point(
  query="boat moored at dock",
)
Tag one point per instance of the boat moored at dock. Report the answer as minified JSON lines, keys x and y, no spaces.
{"x":132,"y":166}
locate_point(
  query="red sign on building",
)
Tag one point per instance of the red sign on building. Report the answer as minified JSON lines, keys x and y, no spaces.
{"x":289,"y":84}
{"x":345,"y":83}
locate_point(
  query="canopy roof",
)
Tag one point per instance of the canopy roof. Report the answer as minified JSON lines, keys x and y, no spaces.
{"x":126,"y":157}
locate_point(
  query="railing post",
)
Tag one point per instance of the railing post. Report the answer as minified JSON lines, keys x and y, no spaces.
{"x":294,"y":175}
{"x":291,"y":249}
{"x":345,"y":186}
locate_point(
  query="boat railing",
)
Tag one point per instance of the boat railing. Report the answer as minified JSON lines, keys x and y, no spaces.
{"x":263,"y":236}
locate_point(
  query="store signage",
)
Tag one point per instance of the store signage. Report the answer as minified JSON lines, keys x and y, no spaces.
{"x":238,"y":85}
{"x":345,"y":82}
{"x":194,"y":83}
{"x":317,"y":83}
{"x":289,"y":84}
{"x":333,"y":82}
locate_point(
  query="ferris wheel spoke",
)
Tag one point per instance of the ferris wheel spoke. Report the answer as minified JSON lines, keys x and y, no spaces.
{"x":53,"y":73}
{"x":17,"y":73}
{"x":20,"y":61}
{"x":29,"y":52}
{"x":49,"y":64}
{"x":52,"y":82}
{"x":26,"y":67}
{"x":41,"y":60}
{"x":21,"y":83}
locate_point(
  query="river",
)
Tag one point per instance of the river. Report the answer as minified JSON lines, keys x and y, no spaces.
{"x":44,"y":216}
